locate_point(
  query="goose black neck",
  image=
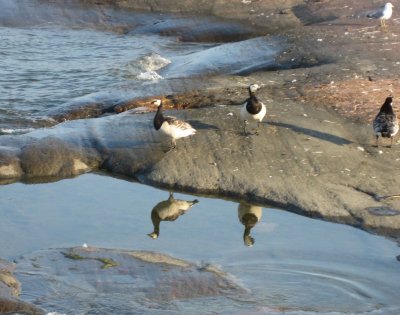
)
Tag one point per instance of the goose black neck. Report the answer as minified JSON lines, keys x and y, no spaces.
{"x":387,"y":106}
{"x":158,"y":118}
{"x":253,"y":106}
{"x":155,"y":219}
{"x":252,"y":94}
{"x":246,"y":232}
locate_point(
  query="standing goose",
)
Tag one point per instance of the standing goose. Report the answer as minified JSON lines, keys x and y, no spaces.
{"x":383,"y":13}
{"x":171,"y":126}
{"x":253,"y":110}
{"x":249,"y":215}
{"x":168,"y":210}
{"x":385,"y":123}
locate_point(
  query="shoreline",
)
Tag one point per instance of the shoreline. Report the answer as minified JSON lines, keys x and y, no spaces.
{"x":325,"y":68}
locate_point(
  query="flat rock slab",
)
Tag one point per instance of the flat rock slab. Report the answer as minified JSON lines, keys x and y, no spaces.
{"x":305,"y":159}
{"x":102,"y":279}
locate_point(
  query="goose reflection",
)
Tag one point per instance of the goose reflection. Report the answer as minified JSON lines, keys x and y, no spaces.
{"x":168,"y":210}
{"x":249,"y":215}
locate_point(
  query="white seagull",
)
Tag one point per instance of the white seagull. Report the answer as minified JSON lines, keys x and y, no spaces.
{"x":253,"y":110}
{"x":385,"y":123}
{"x":171,"y":126}
{"x":383,"y":13}
{"x":168,"y":210}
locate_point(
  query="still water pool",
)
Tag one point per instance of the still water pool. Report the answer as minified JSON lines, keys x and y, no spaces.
{"x":297,"y":265}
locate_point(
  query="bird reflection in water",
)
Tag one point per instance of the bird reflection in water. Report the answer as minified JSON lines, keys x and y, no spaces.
{"x":249,"y":215}
{"x":168,"y":210}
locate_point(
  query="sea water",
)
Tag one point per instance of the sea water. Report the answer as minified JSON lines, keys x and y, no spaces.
{"x":53,"y":55}
{"x":296,"y":265}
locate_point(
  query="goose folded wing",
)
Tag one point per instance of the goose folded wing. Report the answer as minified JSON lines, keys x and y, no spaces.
{"x":381,"y":123}
{"x":180,"y":124}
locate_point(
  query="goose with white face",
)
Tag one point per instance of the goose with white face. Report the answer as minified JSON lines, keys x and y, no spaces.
{"x":170,"y":126}
{"x":253,"y":110}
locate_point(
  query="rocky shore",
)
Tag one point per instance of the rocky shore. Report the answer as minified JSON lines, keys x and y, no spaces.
{"x":10,"y":289}
{"x":314,"y":155}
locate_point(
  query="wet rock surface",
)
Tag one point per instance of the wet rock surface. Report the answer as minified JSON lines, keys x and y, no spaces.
{"x":118,"y":280}
{"x":10,"y":289}
{"x":9,"y":286}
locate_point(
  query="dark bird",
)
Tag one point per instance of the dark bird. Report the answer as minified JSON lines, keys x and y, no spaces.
{"x":168,"y":210}
{"x":171,"y":127}
{"x":385,"y":123}
{"x":253,"y":110}
{"x":383,"y":13}
{"x":249,"y":215}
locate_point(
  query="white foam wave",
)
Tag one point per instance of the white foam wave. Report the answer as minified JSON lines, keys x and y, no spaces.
{"x":153,"y":62}
{"x":12,"y":131}
{"x":149,"y":75}
{"x":145,"y":68}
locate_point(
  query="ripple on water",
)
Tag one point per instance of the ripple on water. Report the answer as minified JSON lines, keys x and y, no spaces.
{"x":52,"y":69}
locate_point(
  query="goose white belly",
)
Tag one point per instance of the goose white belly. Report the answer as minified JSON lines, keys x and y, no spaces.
{"x":172,"y":208}
{"x":175,"y":131}
{"x":245,"y":115}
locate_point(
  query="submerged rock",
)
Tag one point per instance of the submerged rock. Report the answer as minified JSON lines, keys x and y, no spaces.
{"x":105,"y":279}
{"x":10,"y":289}
{"x":9,"y":286}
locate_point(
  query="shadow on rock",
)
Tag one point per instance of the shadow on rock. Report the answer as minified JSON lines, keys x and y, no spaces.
{"x":313,"y":133}
{"x":308,"y":15}
{"x":202,"y":126}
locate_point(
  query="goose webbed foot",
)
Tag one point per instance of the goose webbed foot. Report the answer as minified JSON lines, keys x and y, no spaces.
{"x":172,"y":147}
